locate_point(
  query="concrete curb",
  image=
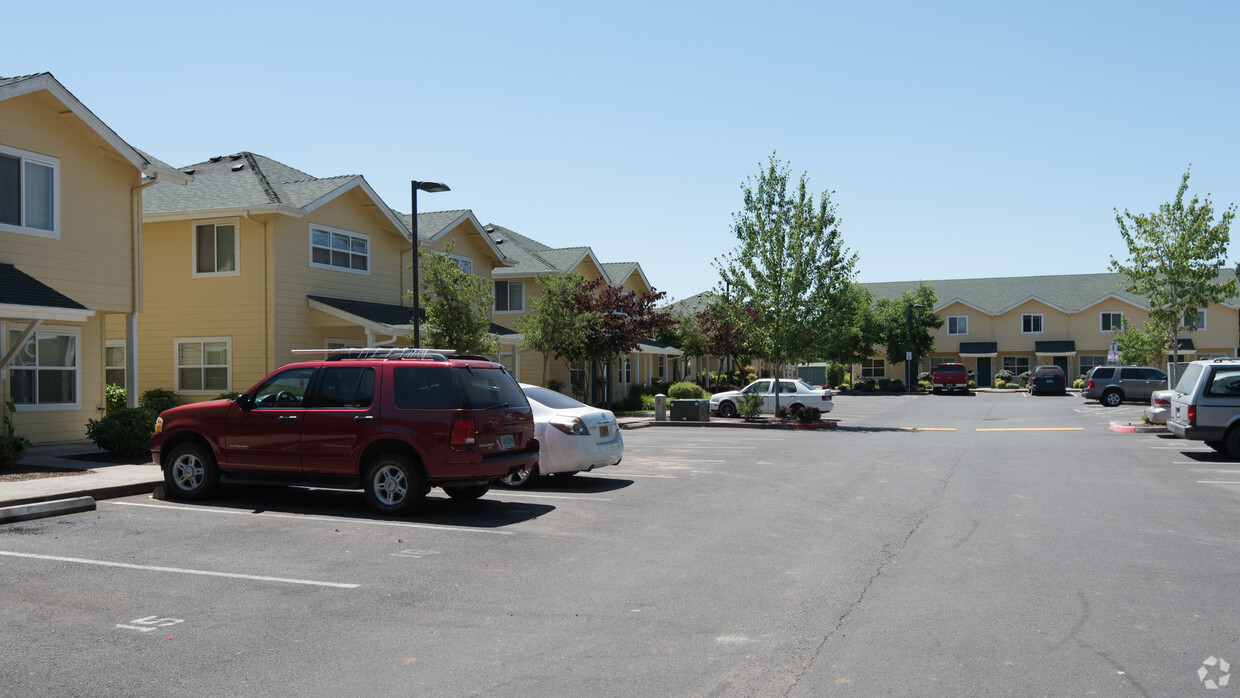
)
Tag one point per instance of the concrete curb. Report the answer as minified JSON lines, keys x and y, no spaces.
{"x":1134,"y":429}
{"x":39,"y":510}
{"x":92,"y":493}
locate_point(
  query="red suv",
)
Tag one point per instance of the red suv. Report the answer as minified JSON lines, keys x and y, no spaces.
{"x":393,"y":423}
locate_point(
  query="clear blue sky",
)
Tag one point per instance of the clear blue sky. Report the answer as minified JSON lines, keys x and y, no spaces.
{"x":960,"y":139}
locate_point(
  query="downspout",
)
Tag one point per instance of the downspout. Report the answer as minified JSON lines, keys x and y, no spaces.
{"x":131,"y":319}
{"x":267,"y":364}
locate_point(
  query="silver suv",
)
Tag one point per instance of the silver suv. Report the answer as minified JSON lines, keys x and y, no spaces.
{"x":1206,"y":404}
{"x":1111,"y":385}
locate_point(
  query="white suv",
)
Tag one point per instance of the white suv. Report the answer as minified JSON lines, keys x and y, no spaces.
{"x":1206,"y":404}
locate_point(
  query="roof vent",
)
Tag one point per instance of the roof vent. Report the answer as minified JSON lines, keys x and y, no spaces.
{"x":238,"y":156}
{"x":217,"y":158}
{"x":238,"y":167}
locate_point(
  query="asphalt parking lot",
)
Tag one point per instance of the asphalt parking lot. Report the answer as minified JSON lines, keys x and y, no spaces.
{"x":931,"y":545}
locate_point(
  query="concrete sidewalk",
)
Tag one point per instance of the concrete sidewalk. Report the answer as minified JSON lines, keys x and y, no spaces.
{"x":98,"y":479}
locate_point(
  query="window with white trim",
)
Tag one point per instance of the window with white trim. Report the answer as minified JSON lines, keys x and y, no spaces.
{"x":874,"y":368}
{"x":332,"y":248}
{"x":203,"y":364}
{"x":466,"y":264}
{"x":1031,"y":323}
{"x":1110,"y":321}
{"x":29,"y":193}
{"x":1016,"y":364}
{"x":1091,"y":361}
{"x":46,"y":370}
{"x":114,"y":363}
{"x":957,"y":324}
{"x":215,"y":249}
{"x":1197,"y":321}
{"x":509,"y":296}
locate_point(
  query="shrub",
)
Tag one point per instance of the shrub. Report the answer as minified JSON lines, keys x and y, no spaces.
{"x":647,"y":402}
{"x":884,"y":385}
{"x":1004,"y":375}
{"x":896,"y":386}
{"x":12,"y":446}
{"x":809,"y":415}
{"x":114,"y":398}
{"x":924,"y":377}
{"x":925,"y":385}
{"x":633,"y":401}
{"x":124,"y":432}
{"x":1078,"y":383}
{"x":749,"y":406}
{"x":685,"y":391}
{"x":1000,"y":383}
{"x":972,"y":383}
{"x":231,"y":395}
{"x":158,"y":400}
{"x":1024,"y":378}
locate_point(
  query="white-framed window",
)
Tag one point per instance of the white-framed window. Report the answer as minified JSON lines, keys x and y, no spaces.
{"x":29,"y":193}
{"x":957,"y":324}
{"x":466,"y":264}
{"x":1016,"y":364}
{"x":215,"y":248}
{"x":46,"y":370}
{"x":1197,"y":321}
{"x":874,"y":368}
{"x":662,"y":367}
{"x":114,"y":362}
{"x":203,"y":365}
{"x":1031,"y":323}
{"x":1109,"y":321}
{"x":626,"y":370}
{"x":333,"y":248}
{"x":509,"y":296}
{"x":1091,"y":361}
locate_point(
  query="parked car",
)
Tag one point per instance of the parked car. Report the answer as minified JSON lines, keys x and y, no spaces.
{"x":1048,"y":379}
{"x":793,"y":395}
{"x":1160,"y":406}
{"x":1111,"y":385}
{"x":1205,"y":404}
{"x":949,"y":377}
{"x":393,"y":423}
{"x":572,"y":437}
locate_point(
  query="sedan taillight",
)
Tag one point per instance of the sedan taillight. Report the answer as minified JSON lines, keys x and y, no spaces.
{"x":464,"y":433}
{"x":573,"y":426}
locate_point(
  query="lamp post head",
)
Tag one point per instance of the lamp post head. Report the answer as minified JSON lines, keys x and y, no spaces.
{"x":430,"y":187}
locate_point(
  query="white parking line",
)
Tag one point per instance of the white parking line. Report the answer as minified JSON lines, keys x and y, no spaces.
{"x":616,"y":474}
{"x":508,"y":493}
{"x":180,"y":570}
{"x":1216,"y":482}
{"x":363,"y":522}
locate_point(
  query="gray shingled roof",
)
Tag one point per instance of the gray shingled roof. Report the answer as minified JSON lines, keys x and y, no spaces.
{"x":533,"y":258}
{"x":240,"y":180}
{"x":19,"y":78}
{"x":431,"y":223}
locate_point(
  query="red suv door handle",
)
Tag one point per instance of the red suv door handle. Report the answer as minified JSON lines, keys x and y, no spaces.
{"x":364,"y":418}
{"x":287,"y":418}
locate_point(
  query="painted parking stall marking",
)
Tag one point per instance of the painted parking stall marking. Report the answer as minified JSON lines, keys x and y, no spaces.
{"x":149,"y":624}
{"x":180,"y":570}
{"x":360,"y":522}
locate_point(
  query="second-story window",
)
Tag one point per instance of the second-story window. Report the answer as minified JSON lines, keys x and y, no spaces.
{"x":1111,"y":322}
{"x":1031,"y":323}
{"x":466,"y":264}
{"x":509,"y":296}
{"x":331,"y":248}
{"x":29,"y":192}
{"x":957,"y":324}
{"x":215,"y":248}
{"x":1196,"y":321}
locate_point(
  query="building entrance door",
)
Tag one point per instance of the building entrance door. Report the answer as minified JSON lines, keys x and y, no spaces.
{"x":982,"y":375}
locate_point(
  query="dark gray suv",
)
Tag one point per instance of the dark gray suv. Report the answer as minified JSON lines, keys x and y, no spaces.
{"x":1111,"y":385}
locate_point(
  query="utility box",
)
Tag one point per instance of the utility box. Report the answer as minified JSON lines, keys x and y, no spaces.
{"x":690,"y":410}
{"x":660,"y":408}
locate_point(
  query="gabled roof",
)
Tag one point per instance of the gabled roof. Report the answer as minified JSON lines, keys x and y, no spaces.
{"x":255,"y":183}
{"x":389,"y":319}
{"x":24,"y":297}
{"x":28,"y":84}
{"x":433,"y":225}
{"x":691,"y":305}
{"x":532,"y":258}
{"x":619,"y":272}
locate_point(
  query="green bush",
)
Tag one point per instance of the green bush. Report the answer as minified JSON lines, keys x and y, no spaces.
{"x":647,"y":402}
{"x":924,"y":377}
{"x":896,"y":386}
{"x":686,"y":391}
{"x":925,"y":385}
{"x":867,"y":385}
{"x":1024,"y":378}
{"x":114,"y":398}
{"x":12,"y":446}
{"x":809,"y":415}
{"x":158,"y":400}
{"x":1078,"y":383}
{"x":972,"y":383}
{"x":633,"y":401}
{"x":124,"y":432}
{"x":1000,"y":383}
{"x":1004,"y":375}
{"x":749,"y":405}
{"x":884,"y":385}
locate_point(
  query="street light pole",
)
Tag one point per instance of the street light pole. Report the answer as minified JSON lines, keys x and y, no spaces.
{"x":430,"y":188}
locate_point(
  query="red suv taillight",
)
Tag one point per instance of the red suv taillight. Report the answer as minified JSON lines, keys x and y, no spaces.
{"x":1192,"y":415}
{"x":1089,"y":384}
{"x":464,"y":433}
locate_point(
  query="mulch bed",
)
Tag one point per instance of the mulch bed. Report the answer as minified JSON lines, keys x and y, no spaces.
{"x":19,"y":472}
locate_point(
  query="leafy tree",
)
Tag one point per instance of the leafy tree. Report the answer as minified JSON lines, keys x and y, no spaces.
{"x":891,"y":317}
{"x":624,"y":318}
{"x":852,"y":331}
{"x":724,"y":336}
{"x":789,"y":267}
{"x":1140,"y":346}
{"x":693,"y":339}
{"x":1174,"y":258}
{"x":554,"y":323}
{"x":458,"y":305}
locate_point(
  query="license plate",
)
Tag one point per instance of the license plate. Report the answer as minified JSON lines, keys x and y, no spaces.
{"x":507,"y":441}
{"x":604,"y":431}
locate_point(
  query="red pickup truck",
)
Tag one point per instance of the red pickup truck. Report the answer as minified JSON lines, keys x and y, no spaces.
{"x":950,"y":377}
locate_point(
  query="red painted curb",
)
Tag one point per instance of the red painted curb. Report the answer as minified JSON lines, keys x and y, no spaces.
{"x":1122,"y":428}
{"x":826,"y":424}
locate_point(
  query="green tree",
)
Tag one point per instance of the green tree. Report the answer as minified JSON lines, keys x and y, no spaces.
{"x":693,"y":339}
{"x":458,"y":305}
{"x":1140,"y":346}
{"x":891,"y":316}
{"x":1174,"y":258}
{"x":853,"y":330}
{"x":624,"y":318}
{"x":790,"y":268}
{"x":554,"y":323}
